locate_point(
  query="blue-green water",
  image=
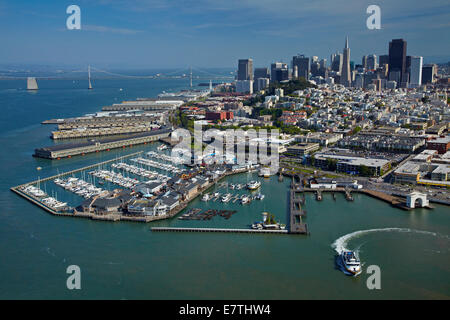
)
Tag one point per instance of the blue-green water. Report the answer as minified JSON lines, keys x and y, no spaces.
{"x":127,"y":261}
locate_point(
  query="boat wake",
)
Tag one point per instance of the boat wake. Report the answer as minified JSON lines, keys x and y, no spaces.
{"x":341,"y":243}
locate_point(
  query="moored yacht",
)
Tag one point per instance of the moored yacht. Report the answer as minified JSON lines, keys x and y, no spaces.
{"x":268,"y":222}
{"x":253,"y":185}
{"x":206,"y":197}
{"x":226,"y":197}
{"x":245,"y":200}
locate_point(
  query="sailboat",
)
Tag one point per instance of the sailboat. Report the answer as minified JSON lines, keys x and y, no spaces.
{"x":31,"y":83}
{"x":89,"y":77}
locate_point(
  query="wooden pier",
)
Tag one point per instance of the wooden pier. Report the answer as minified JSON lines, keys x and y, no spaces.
{"x":227,"y":230}
{"x":295,"y":213}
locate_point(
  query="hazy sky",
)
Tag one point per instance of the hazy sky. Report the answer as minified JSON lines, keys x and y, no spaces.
{"x":214,"y":33}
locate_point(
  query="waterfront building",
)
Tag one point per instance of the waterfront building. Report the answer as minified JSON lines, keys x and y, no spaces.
{"x":351,"y":164}
{"x":302,"y":149}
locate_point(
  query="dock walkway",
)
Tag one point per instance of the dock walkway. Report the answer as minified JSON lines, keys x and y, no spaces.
{"x":229,"y":230}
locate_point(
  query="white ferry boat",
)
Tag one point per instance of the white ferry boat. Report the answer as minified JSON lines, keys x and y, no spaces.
{"x":350,"y":262}
{"x":253,"y":185}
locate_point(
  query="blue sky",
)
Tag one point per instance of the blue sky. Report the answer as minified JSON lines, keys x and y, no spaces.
{"x":214,"y":33}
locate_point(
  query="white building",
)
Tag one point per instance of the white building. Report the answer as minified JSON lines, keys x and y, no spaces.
{"x":415,"y":76}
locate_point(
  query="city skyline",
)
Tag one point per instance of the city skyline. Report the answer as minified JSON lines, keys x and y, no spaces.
{"x":215,"y":34}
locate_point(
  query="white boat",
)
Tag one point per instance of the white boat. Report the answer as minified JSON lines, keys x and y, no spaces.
{"x":226,"y":197}
{"x":245,"y":200}
{"x":350,"y":262}
{"x":162,"y":147}
{"x":264,"y":172}
{"x":232,"y":186}
{"x":259,"y":196}
{"x":253,"y":185}
{"x":206,"y":197}
{"x":268,"y":223}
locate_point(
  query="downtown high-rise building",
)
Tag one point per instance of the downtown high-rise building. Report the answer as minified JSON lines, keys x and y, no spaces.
{"x":336,"y":62}
{"x":372,"y":63}
{"x":383,"y":59}
{"x":303,"y":65}
{"x":245,"y":69}
{"x":429,"y":72}
{"x":397,"y":60}
{"x":346,"y":79}
{"x":261,"y":73}
{"x":279,"y":72}
{"x":415,"y":73}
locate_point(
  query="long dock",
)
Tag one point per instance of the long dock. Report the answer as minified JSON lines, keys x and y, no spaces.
{"x":68,"y":150}
{"x":229,"y":230}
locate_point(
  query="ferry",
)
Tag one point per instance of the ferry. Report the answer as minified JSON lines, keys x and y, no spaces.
{"x":253,"y":185}
{"x":226,"y":197}
{"x":350,"y":262}
{"x":206,"y":197}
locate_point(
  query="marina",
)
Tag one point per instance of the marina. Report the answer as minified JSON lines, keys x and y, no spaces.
{"x":158,"y":165}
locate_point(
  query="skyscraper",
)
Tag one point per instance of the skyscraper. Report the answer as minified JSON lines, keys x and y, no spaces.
{"x":262,"y":73}
{"x":302,"y":64}
{"x":429,"y":72}
{"x":245,"y":69}
{"x":397,"y":59}
{"x":383,"y":59}
{"x":336,"y":62}
{"x":372,"y":63}
{"x":415,"y":74}
{"x":364,"y":62}
{"x":279,"y":72}
{"x":346,"y":79}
